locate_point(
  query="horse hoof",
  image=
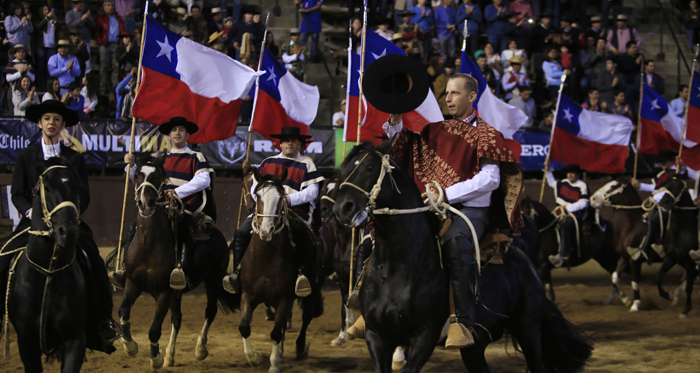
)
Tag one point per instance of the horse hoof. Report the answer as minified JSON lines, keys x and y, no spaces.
{"x":201,"y":353}
{"x":169,"y":362}
{"x":304,"y":353}
{"x":273,"y":370}
{"x":339,"y":341}
{"x":130,"y":347}
{"x":683,"y":316}
{"x":254,"y":359}
{"x":398,"y":360}
{"x":157,"y":362}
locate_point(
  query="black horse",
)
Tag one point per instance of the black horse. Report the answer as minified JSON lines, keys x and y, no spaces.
{"x":682,"y":236}
{"x":404,"y":296}
{"x":47,"y":296}
{"x":596,"y":244}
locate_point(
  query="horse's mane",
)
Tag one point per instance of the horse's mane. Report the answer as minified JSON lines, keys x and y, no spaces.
{"x":357,"y":149}
{"x":270,"y":179}
{"x":623,"y":179}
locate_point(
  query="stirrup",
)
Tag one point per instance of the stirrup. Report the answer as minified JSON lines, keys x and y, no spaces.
{"x":358,"y":329}
{"x":303,"y":286}
{"x":177,"y":279}
{"x":695,"y":255}
{"x":354,"y":300}
{"x":458,"y":336}
{"x":117,"y":278}
{"x":230,"y":283}
{"x":110,"y":332}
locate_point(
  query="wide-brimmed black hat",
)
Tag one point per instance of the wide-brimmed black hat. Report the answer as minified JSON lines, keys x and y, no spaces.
{"x":572,"y":168}
{"x":395,"y":84}
{"x":406,"y":13}
{"x":546,"y":15}
{"x":667,"y":155}
{"x":290,"y":132}
{"x":166,"y":127}
{"x":35,"y":112}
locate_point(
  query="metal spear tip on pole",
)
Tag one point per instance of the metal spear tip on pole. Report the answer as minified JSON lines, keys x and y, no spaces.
{"x":563,"y":78}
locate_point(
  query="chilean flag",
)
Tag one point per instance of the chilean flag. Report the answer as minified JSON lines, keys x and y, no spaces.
{"x":693,"y":132}
{"x":595,"y":141}
{"x":372,"y":119}
{"x":502,"y":116}
{"x":186,"y":79}
{"x":281,"y":100}
{"x":662,"y":130}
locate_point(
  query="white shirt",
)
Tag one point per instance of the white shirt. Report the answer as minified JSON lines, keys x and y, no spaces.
{"x":644,"y":187}
{"x":306,"y":195}
{"x":338,"y":115}
{"x":51,"y":150}
{"x":475,"y":192}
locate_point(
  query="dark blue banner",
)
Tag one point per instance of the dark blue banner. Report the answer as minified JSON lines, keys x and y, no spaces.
{"x":535,"y":146}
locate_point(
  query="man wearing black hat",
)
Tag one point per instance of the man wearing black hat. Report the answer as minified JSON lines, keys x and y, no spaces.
{"x":52,"y":117}
{"x":667,"y":158}
{"x":302,"y":189}
{"x":571,"y":196}
{"x":190,"y":180}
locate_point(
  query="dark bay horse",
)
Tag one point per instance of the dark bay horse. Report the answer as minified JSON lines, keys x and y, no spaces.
{"x":337,"y":239}
{"x":269,"y":269}
{"x":404,"y":296}
{"x":596,"y":244}
{"x":47,"y":292}
{"x":682,"y":236}
{"x":152,"y":256}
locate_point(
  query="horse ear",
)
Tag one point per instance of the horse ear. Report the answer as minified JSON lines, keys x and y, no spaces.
{"x":161,"y":160}
{"x":257,"y":175}
{"x":283,"y":176}
{"x":385,"y":146}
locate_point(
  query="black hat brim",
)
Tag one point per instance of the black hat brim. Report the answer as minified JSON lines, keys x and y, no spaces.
{"x":381,"y":77}
{"x":35,"y":112}
{"x":166,"y":127}
{"x":300,"y":137}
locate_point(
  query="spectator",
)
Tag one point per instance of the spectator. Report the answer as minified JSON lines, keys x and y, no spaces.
{"x":122,"y":89}
{"x":271,"y":46}
{"x":619,"y":106}
{"x":78,"y":49}
{"x":254,"y":36}
{"x":215,"y":22}
{"x":74,"y":100}
{"x":595,"y":31}
{"x":109,"y":26}
{"x":515,"y":80}
{"x":128,"y":102}
{"x":511,"y":52}
{"x":435,"y":64}
{"x":440,"y":86}
{"x":593,"y":103}
{"x":606,"y":6}
{"x":127,"y":55}
{"x":228,"y":25}
{"x":383,"y":29}
{"x":178,"y":25}
{"x":546,"y":123}
{"x":610,"y":81}
{"x":553,"y":7}
{"x":80,"y":19}
{"x":311,"y":26}
{"x":595,"y":61}
{"x":571,"y":36}
{"x":496,"y":15}
{"x":526,"y":103}
{"x":46,"y":45}
{"x":470,"y":13}
{"x":485,"y":70}
{"x":514,"y":30}
{"x":23,"y":95}
{"x":64,"y":66}
{"x":542,"y":34}
{"x":523,"y":10}
{"x":197,"y":24}
{"x":691,"y":21}
{"x":553,"y":72}
{"x":458,"y":64}
{"x":158,"y":9}
{"x":622,"y":34}
{"x":53,"y":90}
{"x":128,"y":10}
{"x":339,"y":116}
{"x":445,"y":24}
{"x":19,"y":66}
{"x":91,"y":85}
{"x":294,"y":53}
{"x":425,"y":21}
{"x":630,"y":65}
{"x":652,"y":79}
{"x":18,"y":26}
{"x":680,"y":103}
{"x":493,"y":59}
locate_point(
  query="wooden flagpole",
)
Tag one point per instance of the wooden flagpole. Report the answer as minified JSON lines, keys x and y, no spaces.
{"x":639,"y":118}
{"x":551,"y":136}
{"x":347,"y":91}
{"x":120,"y":256}
{"x":685,"y":119}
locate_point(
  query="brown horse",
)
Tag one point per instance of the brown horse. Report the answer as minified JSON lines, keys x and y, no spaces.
{"x":281,"y":243}
{"x":152,"y":256}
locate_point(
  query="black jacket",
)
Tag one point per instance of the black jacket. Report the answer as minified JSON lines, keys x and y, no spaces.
{"x":26,"y":175}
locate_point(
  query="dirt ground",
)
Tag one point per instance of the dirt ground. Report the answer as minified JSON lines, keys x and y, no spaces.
{"x":652,"y":340}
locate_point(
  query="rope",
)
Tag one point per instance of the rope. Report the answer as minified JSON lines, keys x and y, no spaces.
{"x":7,"y":304}
{"x":326,"y":198}
{"x":550,"y":225}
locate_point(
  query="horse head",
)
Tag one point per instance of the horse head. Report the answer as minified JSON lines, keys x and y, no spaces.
{"x":271,"y":204}
{"x":676,"y":190}
{"x":57,"y":199}
{"x":363,"y":172}
{"x":149,"y":178}
{"x":328,"y":195}
{"x":537,"y":211}
{"x":617,"y":192}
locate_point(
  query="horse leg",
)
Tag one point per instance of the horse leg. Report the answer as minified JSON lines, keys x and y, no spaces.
{"x":200,"y":351}
{"x":176,"y":321}
{"x":636,"y":275}
{"x":380,"y":351}
{"x":547,"y":280}
{"x":284,"y":308}
{"x":422,"y":346}
{"x":74,"y":355}
{"x":621,"y":264}
{"x":162,"y":305}
{"x":29,"y":350}
{"x":131,"y":293}
{"x":529,"y":337}
{"x":343,"y":336}
{"x":474,"y":359}
{"x":665,"y":267}
{"x":691,"y":273}
{"x":247,"y":309}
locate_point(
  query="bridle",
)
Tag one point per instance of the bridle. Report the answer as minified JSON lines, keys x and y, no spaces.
{"x":147,"y":184}
{"x":374,"y":192}
{"x":606,"y":199}
{"x":46,"y":215}
{"x":280,"y":220}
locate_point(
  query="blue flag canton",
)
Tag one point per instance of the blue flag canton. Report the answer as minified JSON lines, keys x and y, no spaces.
{"x":654,"y":107}
{"x":159,"y":50}
{"x":355,"y":74}
{"x":377,"y":47}
{"x":568,"y":116}
{"x":270,"y":80}
{"x":695,"y":91}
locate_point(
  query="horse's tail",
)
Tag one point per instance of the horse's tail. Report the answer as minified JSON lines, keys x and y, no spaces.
{"x":229,"y":303}
{"x":564,"y":348}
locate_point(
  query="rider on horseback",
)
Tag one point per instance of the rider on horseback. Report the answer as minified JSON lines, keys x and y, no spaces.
{"x":572,"y":206}
{"x":190,"y":181}
{"x":302,"y":188}
{"x":52,"y":117}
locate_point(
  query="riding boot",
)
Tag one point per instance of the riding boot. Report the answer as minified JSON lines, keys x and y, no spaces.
{"x":363,"y":252}
{"x":565,"y":248}
{"x":103,"y":330}
{"x":651,"y":237}
{"x":239,"y":246}
{"x":117,"y":277}
{"x":461,"y":265}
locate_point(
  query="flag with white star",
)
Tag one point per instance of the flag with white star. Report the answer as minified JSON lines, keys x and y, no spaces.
{"x":693,"y":131}
{"x":597,"y":142}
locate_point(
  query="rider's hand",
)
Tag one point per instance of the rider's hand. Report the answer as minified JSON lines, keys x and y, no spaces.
{"x":547,"y":164}
{"x":635,"y":183}
{"x":129,"y":159}
{"x":434,"y":194}
{"x":394,"y":118}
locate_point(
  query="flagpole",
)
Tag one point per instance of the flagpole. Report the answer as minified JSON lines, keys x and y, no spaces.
{"x":120,"y":256}
{"x":551,"y":136}
{"x":362,"y":72}
{"x":347,"y":91}
{"x":464,"y":38}
{"x":252,"y":116}
{"x":685,"y":119}
{"x":639,"y":118}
